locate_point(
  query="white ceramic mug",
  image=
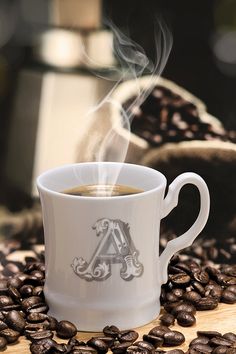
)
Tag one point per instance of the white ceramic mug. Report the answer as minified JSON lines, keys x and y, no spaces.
{"x":102,"y":253}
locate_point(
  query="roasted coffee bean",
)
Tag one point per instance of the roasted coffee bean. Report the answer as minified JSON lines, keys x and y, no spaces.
{"x":3,"y":325}
{"x":199,"y":340}
{"x":215,"y":341}
{"x":201,"y":276}
{"x":40,"y":335}
{"x":145,"y":345}
{"x":108,"y":340}
{"x":73,"y":341}
{"x":229,"y":270}
{"x":213,"y":290}
{"x":5,"y":301}
{"x":208,"y":334}
{"x":134,"y":349}
{"x":178,"y":292}
{"x":3,"y":343}
{"x":180,"y":279}
{"x":111,"y":331}
{"x":198,"y":287}
{"x":184,"y":307}
{"x":206,"y":303}
{"x":171,"y":297}
{"x":120,"y":348}
{"x":220,"y":350}
{"x":185,"y":319}
{"x":155,"y":341}
{"x":128,"y":336}
{"x":11,"y":307}
{"x":26,"y":290}
{"x":159,"y":331}
{"x":173,"y":338}
{"x":183,"y":266}
{"x":30,"y":301}
{"x":37,"y":317}
{"x":15,"y":321}
{"x":52,"y":323}
{"x":41,"y":307}
{"x":16,"y":282}
{"x":167,"y":319}
{"x":83,"y":349}
{"x":43,"y":346}
{"x":191,"y":296}
{"x":230,"y":336}
{"x":38,"y":274}
{"x":10,"y":335}
{"x":35,"y":327}
{"x":228,"y":297}
{"x":226,"y":280}
{"x":231,"y":351}
{"x":66,"y":329}
{"x":10,"y":269}
{"x":169,"y":306}
{"x":232,"y":288}
{"x":202,"y":348}
{"x":38,"y":291}
{"x":14,"y":293}
{"x":98,"y":344}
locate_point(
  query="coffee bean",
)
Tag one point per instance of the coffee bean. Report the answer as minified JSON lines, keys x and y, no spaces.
{"x":10,"y":335}
{"x":14,"y":293}
{"x":111,"y":331}
{"x":226,"y":280}
{"x":120,"y":348}
{"x":206,"y":303}
{"x":83,"y":349}
{"x":128,"y":336}
{"x":230,"y":336}
{"x":52,"y":323}
{"x":66,"y":329}
{"x":11,"y":307}
{"x":171,"y":297}
{"x":108,"y":340}
{"x":169,"y":306}
{"x":159,"y":331}
{"x":232,"y":288}
{"x":228,"y":297}
{"x":199,"y":340}
{"x":201,"y":276}
{"x":98,"y":344}
{"x":202,"y":348}
{"x":134,"y":349}
{"x":35,"y":327}
{"x":5,"y":301}
{"x":220,"y":350}
{"x":41,"y":307}
{"x":215,"y":341}
{"x":37,"y":317}
{"x":180,"y":279}
{"x":3,"y":343}
{"x":30,"y":301}
{"x":3,"y":325}
{"x":26,"y":290}
{"x":191,"y":296}
{"x":184,"y":307}
{"x":185,"y":319}
{"x":178,"y":292}
{"x":209,"y":334}
{"x":40,"y":335}
{"x":61,"y":348}
{"x":173,"y":338}
{"x":16,"y":282}
{"x":15,"y":321}
{"x":231,"y":351}
{"x":167,"y":319}
{"x":184,"y":267}
{"x":155,"y":341}
{"x":145,"y":345}
{"x":38,"y":291}
{"x":213,"y":290}
{"x":198,"y":287}
{"x":43,"y":346}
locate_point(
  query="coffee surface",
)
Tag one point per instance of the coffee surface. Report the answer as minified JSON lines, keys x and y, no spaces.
{"x":102,"y":190}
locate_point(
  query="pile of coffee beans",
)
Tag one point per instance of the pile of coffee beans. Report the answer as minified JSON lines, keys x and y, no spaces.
{"x":167,"y":117}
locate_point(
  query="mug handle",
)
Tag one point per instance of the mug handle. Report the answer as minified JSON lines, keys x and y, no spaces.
{"x":169,"y":203}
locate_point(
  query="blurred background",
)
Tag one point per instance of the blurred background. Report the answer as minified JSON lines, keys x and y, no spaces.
{"x":40,"y":63}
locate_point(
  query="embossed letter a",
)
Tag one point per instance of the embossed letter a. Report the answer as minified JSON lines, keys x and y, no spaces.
{"x":116,"y":246}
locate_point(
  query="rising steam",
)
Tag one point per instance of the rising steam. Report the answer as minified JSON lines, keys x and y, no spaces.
{"x":133,"y":63}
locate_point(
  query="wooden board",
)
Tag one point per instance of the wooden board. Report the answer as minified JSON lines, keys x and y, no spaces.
{"x":222,"y":319}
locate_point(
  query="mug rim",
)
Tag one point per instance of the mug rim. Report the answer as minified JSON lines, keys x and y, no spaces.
{"x":40,"y":186}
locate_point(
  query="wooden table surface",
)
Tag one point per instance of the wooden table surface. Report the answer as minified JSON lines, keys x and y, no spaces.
{"x":222,"y":319}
